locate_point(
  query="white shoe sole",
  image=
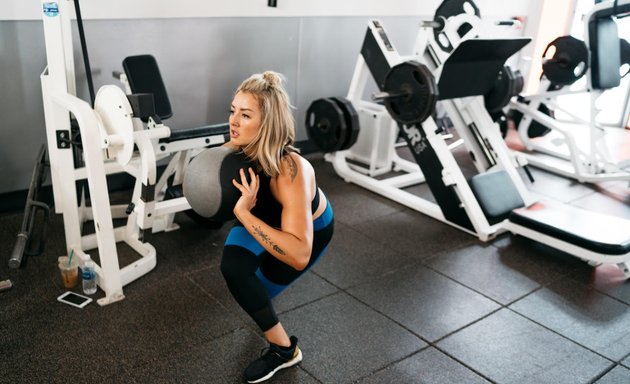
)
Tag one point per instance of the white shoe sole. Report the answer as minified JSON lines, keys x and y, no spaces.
{"x":288,"y":364}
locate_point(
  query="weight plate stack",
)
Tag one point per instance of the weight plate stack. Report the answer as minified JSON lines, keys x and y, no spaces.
{"x":352,"y":121}
{"x":332,"y":124}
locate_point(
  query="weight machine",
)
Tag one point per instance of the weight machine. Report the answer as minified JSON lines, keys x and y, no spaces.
{"x":493,"y":201}
{"x":118,"y":133}
{"x":576,"y":147}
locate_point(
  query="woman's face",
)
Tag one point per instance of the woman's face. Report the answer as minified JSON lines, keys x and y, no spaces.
{"x":245,"y":119}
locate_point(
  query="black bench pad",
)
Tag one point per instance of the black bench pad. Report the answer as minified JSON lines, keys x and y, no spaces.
{"x":193,"y":133}
{"x":594,"y":231}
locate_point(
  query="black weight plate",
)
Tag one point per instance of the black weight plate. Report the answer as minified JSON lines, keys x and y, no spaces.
{"x":519,"y":82}
{"x":500,"y":93}
{"x":569,"y":61}
{"x":450,"y":8}
{"x":535,"y":129}
{"x":416,"y":81}
{"x":326,"y":125}
{"x":509,"y":83}
{"x":352,"y":121}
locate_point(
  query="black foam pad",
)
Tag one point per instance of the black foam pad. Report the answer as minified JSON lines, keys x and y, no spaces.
{"x":594,"y":231}
{"x":473,"y":66}
{"x":496,"y":194}
{"x":144,"y":76}
{"x":605,"y":53}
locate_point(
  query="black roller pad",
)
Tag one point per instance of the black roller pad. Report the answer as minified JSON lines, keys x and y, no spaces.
{"x":473,"y":66}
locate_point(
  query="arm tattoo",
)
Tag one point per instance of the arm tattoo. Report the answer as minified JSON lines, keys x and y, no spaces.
{"x":264,"y":237}
{"x":292,"y":167}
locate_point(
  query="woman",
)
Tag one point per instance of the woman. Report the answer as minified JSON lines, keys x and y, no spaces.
{"x":284,"y":221}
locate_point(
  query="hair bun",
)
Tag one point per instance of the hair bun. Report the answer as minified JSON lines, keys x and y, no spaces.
{"x":272,"y":78}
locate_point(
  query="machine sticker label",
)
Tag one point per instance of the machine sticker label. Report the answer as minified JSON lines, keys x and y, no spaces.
{"x":414,"y":137}
{"x":51,"y":9}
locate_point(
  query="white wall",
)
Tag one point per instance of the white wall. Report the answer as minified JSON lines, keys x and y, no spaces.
{"x":308,"y":40}
{"x":133,"y":9}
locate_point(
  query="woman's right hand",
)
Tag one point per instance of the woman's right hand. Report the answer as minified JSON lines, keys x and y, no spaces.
{"x":248,"y":189}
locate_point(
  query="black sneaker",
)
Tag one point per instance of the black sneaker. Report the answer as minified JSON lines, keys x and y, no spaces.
{"x":273,"y":359}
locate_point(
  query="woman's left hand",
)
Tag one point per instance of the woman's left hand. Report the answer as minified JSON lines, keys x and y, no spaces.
{"x":249,"y":190}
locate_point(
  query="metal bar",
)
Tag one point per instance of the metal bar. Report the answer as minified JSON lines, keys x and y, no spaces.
{"x":26,"y":230}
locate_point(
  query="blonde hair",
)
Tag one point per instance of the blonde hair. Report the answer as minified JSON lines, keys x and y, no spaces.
{"x":276,"y":135}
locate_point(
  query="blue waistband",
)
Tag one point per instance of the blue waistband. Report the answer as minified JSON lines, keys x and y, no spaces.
{"x":325,"y":219}
{"x":239,"y":236}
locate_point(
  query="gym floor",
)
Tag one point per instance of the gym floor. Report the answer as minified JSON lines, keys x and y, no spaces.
{"x":398,"y":298}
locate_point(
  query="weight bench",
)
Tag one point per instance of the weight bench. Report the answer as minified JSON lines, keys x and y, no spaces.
{"x":588,"y":235}
{"x":593,"y":231}
{"x":143,"y":76}
{"x":593,"y":236}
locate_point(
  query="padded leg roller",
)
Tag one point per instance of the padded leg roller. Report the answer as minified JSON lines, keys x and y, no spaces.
{"x":208,"y":182}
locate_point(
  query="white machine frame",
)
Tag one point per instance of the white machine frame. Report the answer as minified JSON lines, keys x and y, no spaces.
{"x":368,"y":162}
{"x":576,"y":148}
{"x":109,"y":132}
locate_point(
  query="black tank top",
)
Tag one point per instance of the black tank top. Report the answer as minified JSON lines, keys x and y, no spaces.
{"x":268,"y":209}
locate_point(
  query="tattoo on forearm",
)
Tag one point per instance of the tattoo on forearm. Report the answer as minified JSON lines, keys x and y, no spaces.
{"x":264,"y":237}
{"x":292,"y":167}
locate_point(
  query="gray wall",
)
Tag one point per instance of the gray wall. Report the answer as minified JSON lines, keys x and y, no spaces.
{"x":202,"y":60}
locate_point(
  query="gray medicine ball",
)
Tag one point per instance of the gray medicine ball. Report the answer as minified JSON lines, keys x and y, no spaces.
{"x":208,"y":182}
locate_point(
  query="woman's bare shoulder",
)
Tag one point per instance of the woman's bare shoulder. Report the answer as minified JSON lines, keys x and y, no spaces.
{"x":294,"y":165}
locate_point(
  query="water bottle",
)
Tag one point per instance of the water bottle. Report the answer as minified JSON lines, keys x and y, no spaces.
{"x":88,"y":274}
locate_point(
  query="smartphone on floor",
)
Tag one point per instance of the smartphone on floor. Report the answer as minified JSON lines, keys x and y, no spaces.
{"x":74,"y":299}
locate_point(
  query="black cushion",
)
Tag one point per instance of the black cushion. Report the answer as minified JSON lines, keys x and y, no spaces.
{"x":605,"y":53}
{"x":193,"y":133}
{"x":594,"y":231}
{"x":496,"y":195}
{"x":473,"y":66}
{"x":144,"y":76}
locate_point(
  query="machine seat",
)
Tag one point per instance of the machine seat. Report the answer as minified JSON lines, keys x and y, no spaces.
{"x":496,"y":194}
{"x":596,"y":232}
{"x":193,"y":133}
{"x":144,"y":76}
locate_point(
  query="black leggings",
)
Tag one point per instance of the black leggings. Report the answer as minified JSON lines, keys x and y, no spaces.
{"x":254,"y":276}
